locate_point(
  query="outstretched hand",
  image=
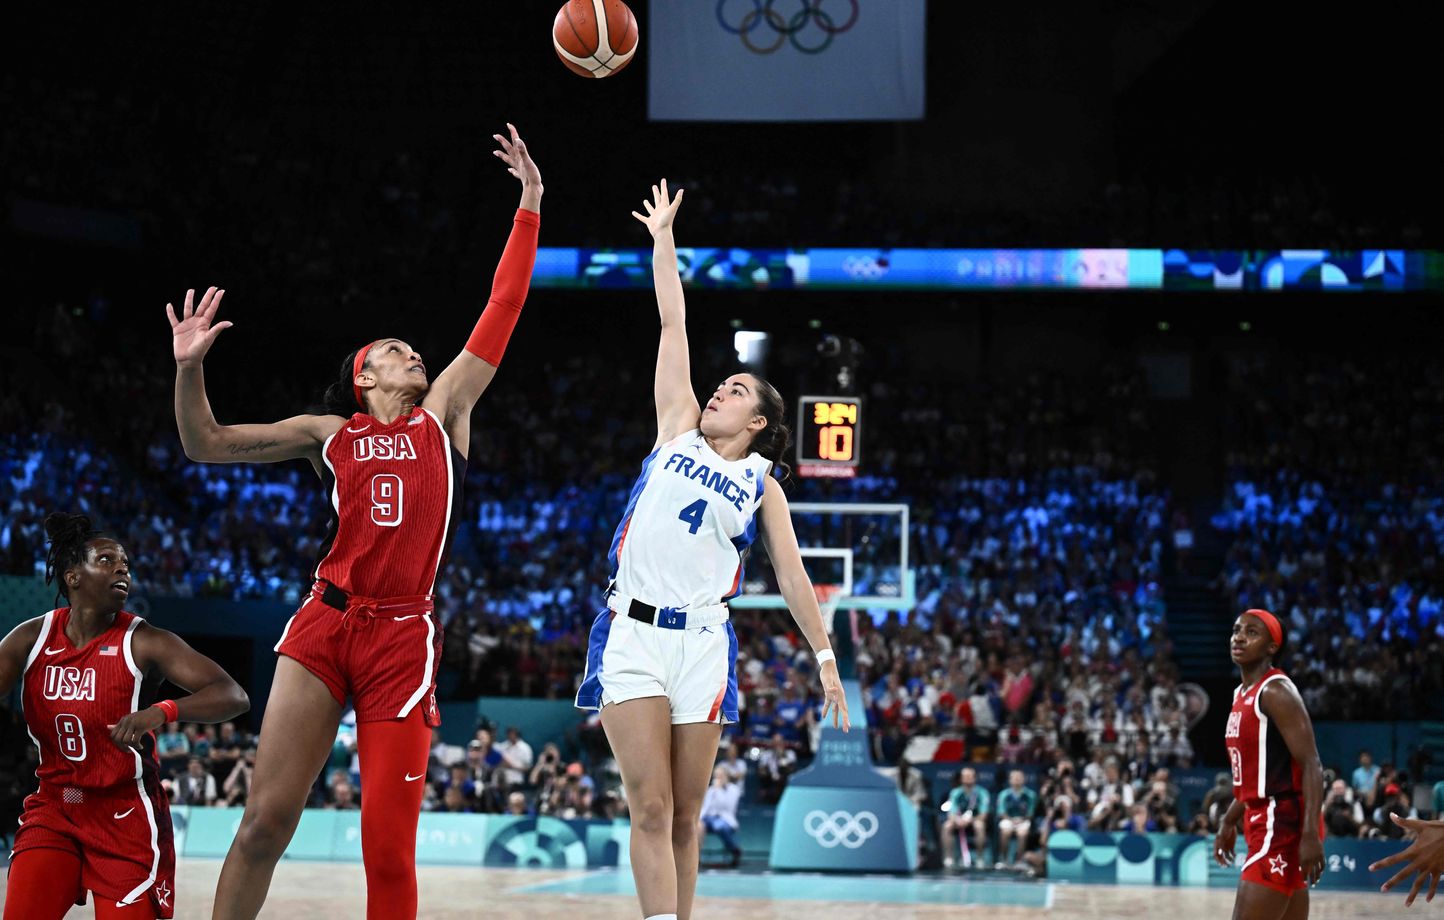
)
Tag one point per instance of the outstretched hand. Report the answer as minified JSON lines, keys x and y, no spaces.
{"x":834,"y":698}
{"x":661,"y":209}
{"x":193,"y":333}
{"x":518,"y":159}
{"x":1424,"y":856}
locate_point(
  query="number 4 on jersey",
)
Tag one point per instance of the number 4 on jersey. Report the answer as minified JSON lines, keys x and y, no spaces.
{"x":692,"y":515}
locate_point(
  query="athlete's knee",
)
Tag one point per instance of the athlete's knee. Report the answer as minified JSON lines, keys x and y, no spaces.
{"x":652,"y":814}
{"x":684,"y":825}
{"x":265,"y":832}
{"x":390,"y":869}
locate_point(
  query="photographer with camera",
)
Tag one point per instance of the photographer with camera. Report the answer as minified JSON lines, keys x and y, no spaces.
{"x":1343,"y":815}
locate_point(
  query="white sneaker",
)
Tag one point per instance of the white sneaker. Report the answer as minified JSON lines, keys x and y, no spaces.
{"x":948,"y":862}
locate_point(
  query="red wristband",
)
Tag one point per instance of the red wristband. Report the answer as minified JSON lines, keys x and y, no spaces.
{"x":171,"y":710}
{"x":508,"y":290}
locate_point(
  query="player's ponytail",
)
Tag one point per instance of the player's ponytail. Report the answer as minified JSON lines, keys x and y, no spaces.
{"x":772,"y":441}
{"x":68,"y":533}
{"x":340,"y":398}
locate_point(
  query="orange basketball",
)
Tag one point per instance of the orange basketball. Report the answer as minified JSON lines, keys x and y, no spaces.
{"x":595,"y":38}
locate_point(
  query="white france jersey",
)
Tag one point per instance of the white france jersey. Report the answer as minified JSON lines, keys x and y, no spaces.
{"x":691,"y":518}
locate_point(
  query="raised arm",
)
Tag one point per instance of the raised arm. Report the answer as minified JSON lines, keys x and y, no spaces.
{"x":781,"y":542}
{"x":214,"y":695}
{"x":454,"y":393}
{"x":1282,"y":703}
{"x":677,"y":408}
{"x":201,"y":435}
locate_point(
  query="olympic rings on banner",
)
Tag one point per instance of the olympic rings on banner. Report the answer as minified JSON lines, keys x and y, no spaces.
{"x":786,"y":29}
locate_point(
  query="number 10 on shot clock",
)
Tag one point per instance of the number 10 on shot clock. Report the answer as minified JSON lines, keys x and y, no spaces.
{"x":829,"y":441}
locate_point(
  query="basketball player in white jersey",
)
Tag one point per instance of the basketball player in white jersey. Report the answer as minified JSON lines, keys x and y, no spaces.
{"x":661,"y":662}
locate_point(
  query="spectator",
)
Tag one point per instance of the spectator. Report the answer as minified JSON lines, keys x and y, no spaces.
{"x":1217,"y":799}
{"x":966,"y":815}
{"x":343,"y":795}
{"x":454,"y":801}
{"x":516,"y":804}
{"x":719,"y":812}
{"x":1343,"y":815}
{"x":237,"y":787}
{"x":1366,"y":778}
{"x":1161,"y":805}
{"x":197,"y":786}
{"x":1016,"y":805}
{"x":516,"y":757}
{"x":1111,"y":801}
{"x":1395,"y":801}
{"x":773,"y":767}
{"x":736,"y":765}
{"x":173,"y":748}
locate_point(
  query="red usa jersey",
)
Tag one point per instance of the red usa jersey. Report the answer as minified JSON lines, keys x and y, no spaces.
{"x":1260,"y":760}
{"x":71,"y":696}
{"x":395,"y":493}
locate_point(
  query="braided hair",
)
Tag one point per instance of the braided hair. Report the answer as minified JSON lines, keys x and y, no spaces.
{"x":69,"y":533}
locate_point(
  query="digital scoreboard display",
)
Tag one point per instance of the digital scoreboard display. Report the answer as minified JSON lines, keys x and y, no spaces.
{"x":829,"y":438}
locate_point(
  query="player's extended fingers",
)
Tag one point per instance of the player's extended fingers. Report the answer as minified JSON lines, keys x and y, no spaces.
{"x":215,"y":303}
{"x":1398,"y":877}
{"x":170,"y":311}
{"x":1433,"y":887}
{"x":1414,"y":891}
{"x":205,"y":306}
{"x":678,"y":199}
{"x":1392,"y":860}
{"x":639,"y":217}
{"x":189,"y":306}
{"x":656,"y":195}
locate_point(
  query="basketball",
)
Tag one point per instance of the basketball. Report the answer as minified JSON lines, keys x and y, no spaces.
{"x":595,"y":38}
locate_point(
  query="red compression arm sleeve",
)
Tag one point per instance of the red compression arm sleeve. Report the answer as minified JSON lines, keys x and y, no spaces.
{"x":508,"y":290}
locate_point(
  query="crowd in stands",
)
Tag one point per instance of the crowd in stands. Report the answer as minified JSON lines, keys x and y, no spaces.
{"x":1335,"y":520}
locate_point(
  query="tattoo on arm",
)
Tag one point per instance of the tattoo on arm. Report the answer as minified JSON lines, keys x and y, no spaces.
{"x":253,"y":447}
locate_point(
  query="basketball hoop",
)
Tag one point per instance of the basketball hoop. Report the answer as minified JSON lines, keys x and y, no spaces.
{"x":828,"y":597}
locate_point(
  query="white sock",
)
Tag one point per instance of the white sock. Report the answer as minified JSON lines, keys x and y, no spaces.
{"x":663,"y":917}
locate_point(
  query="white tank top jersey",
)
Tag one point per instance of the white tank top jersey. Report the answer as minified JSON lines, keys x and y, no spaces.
{"x":690,"y":521}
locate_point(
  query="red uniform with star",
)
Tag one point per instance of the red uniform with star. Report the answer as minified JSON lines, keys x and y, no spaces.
{"x":1268,"y":781}
{"x":100,"y":801}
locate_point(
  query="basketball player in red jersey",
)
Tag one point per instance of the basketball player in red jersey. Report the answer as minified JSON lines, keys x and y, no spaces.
{"x":99,"y":821}
{"x":391,"y":451}
{"x":1277,"y":780}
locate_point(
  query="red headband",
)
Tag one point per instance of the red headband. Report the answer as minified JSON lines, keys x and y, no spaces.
{"x":1270,"y":622}
{"x":356,"y":370}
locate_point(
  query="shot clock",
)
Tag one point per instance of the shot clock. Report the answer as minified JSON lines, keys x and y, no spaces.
{"x":829,"y":440}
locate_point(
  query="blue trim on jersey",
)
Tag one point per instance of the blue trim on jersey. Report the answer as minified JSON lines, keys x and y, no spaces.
{"x":637,"y":488}
{"x":589,"y":695}
{"x":743,"y":543}
{"x":729,"y":697}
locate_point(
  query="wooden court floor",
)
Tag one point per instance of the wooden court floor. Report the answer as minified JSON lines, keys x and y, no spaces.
{"x":324,"y":891}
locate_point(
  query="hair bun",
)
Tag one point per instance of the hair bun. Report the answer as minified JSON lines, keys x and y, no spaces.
{"x":65,"y":526}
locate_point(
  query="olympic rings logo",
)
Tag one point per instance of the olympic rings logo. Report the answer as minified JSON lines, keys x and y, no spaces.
{"x":840,"y":827}
{"x":865,"y":268}
{"x":786,"y":28}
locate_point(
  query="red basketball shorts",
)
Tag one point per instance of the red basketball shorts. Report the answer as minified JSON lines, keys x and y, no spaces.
{"x":122,"y":835}
{"x":1273,"y":829}
{"x":381,"y":652}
